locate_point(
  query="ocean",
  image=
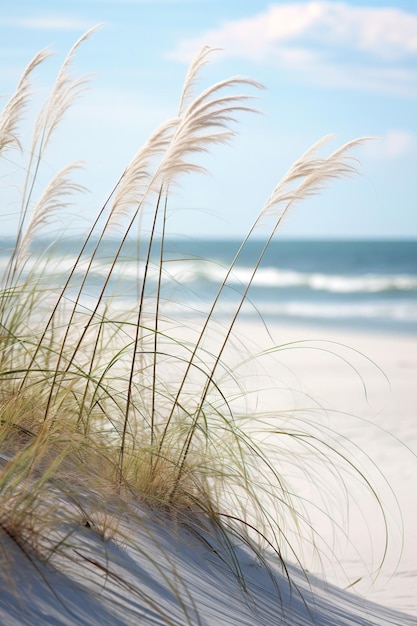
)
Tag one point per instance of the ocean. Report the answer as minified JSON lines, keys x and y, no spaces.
{"x":368,"y":285}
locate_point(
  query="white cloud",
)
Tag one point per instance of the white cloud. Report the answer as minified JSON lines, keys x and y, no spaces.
{"x":47,"y":23}
{"x":394,"y":144}
{"x":325,"y":42}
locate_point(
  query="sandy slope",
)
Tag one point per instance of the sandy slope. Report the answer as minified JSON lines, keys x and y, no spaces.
{"x":203,"y":590}
{"x":115,"y":582}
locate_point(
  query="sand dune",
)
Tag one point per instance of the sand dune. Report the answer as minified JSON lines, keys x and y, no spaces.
{"x":159,"y":572}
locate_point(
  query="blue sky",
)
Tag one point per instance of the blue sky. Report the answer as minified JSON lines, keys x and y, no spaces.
{"x":344,"y":68}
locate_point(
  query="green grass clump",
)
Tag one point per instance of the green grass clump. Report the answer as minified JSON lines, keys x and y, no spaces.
{"x":125,"y":406}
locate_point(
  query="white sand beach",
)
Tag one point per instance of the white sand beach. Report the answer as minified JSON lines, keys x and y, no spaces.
{"x":376,"y":408}
{"x":168,"y":575}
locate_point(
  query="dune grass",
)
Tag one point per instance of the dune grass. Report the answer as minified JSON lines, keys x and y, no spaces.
{"x":99,"y":407}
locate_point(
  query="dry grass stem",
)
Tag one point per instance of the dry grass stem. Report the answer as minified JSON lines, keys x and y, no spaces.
{"x":103,"y":411}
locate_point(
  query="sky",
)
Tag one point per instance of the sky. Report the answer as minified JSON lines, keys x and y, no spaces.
{"x":343,"y":68}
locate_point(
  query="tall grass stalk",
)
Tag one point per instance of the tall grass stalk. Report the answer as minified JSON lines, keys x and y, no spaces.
{"x":124,"y":400}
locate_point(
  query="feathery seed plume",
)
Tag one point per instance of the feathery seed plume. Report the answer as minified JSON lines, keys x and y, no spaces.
{"x":15,"y":107}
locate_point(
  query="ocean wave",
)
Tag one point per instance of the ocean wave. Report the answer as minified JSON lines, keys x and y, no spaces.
{"x":269,"y":277}
{"x":366,"y":311}
{"x":192,"y":273}
{"x":362,"y":283}
{"x":195,"y":273}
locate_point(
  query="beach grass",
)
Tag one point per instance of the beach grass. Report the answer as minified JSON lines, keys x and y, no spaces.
{"x":102,"y":410}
